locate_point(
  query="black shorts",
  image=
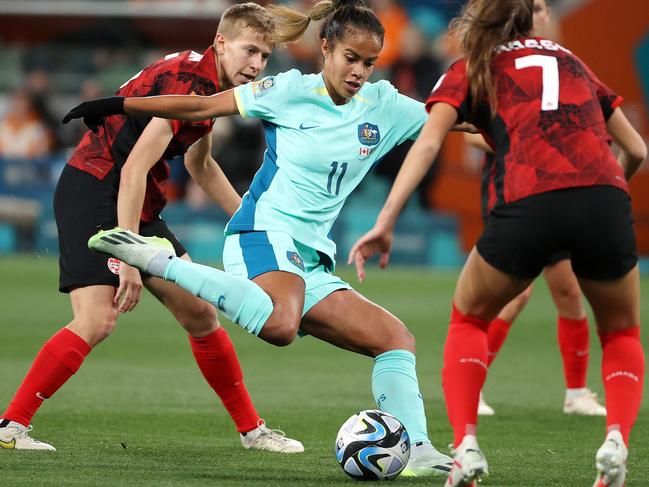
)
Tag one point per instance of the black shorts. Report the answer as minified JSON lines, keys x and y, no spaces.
{"x":83,"y":205}
{"x":593,"y":225}
{"x":558,"y":257}
{"x":554,"y":258}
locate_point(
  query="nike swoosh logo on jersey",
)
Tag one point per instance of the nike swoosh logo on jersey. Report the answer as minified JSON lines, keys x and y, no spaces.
{"x":9,"y":445}
{"x":304,"y":127}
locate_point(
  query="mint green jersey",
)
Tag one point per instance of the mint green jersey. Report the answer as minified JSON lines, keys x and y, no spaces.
{"x":317,"y":152}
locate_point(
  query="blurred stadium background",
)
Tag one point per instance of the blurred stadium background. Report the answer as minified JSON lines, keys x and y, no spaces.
{"x":54,"y":53}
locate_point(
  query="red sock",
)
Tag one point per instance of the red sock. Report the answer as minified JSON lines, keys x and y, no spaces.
{"x":464,"y":371}
{"x":574,"y":346}
{"x":56,"y":362}
{"x":496,"y":335}
{"x":623,"y":377}
{"x":217,"y":359}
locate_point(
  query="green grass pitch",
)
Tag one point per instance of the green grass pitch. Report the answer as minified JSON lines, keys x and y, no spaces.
{"x":138,"y":413}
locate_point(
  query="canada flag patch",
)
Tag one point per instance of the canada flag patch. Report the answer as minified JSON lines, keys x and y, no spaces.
{"x":113,"y":265}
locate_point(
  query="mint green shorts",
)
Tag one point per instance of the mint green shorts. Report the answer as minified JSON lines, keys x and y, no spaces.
{"x":250,"y":254}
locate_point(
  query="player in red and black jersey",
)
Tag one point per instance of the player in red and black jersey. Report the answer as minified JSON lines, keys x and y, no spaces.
{"x":572,"y":322}
{"x":116,"y":176}
{"x":558,"y":188}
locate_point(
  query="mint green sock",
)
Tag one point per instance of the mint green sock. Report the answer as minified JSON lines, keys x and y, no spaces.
{"x":239,"y":299}
{"x":396,"y":391}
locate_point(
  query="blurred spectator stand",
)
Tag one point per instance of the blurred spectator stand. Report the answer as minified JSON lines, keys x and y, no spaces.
{"x":23,"y":133}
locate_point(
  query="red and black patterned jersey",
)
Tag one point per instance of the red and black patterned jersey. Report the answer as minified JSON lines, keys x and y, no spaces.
{"x":487,"y":187}
{"x":181,"y":73}
{"x":549,"y":131}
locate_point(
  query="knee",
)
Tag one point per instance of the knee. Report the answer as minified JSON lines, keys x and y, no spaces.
{"x":407,"y":340}
{"x":568,"y":293}
{"x":105,"y":328}
{"x":567,"y":299}
{"x":281,"y":328}
{"x":199,"y":319}
{"x":404,"y":337}
{"x":94,"y":329}
{"x":400,"y":338}
{"x":281,"y":337}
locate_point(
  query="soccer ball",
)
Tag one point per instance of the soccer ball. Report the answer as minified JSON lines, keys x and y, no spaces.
{"x":372,"y":445}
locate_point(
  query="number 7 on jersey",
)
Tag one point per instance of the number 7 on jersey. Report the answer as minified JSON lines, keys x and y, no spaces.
{"x":550,"y":69}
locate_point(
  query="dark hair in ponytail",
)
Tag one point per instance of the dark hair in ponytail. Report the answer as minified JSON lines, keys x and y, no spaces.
{"x":339,"y":16}
{"x":484,"y":26}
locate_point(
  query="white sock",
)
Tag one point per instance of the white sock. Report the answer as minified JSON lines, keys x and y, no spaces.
{"x":573,"y":393}
{"x":159,"y":263}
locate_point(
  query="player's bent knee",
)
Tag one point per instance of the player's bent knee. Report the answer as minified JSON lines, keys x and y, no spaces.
{"x":568,"y":294}
{"x":282,"y":335}
{"x":280,"y":329}
{"x":94,"y":329}
{"x":282,"y":338}
{"x":105,"y":328}
{"x":405,"y":340}
{"x":399,"y":338}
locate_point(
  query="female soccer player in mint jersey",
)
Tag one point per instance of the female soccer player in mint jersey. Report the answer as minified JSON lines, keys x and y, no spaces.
{"x":324,"y":133}
{"x":116,"y":175}
{"x":572,"y":323}
{"x":560,"y":188}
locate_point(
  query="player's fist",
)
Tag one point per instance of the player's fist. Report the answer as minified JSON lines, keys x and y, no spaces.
{"x":94,"y":111}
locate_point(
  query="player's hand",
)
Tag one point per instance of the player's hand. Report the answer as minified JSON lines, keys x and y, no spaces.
{"x":130,"y":284}
{"x":375,"y":241}
{"x":94,"y":111}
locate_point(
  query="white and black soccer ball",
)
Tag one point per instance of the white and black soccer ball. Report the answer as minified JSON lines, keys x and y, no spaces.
{"x":372,"y":445}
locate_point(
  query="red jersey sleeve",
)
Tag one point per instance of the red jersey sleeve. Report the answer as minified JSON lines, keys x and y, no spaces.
{"x":452,"y":88}
{"x":608,"y":99}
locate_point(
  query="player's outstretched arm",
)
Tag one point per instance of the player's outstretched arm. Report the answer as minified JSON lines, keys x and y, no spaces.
{"x":183,"y":107}
{"x":633,"y":150}
{"x":176,"y":107}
